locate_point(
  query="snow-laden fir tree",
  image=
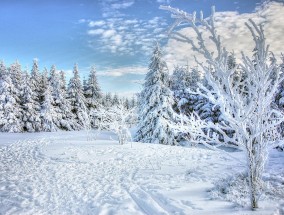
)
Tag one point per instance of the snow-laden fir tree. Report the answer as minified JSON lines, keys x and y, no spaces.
{"x":68,"y":121}
{"x":16,"y":76}
{"x":43,"y":84}
{"x":93,"y":96}
{"x":35,"y":85}
{"x":245,"y":105}
{"x":155,"y":104}
{"x":29,"y":112}
{"x":279,"y":97}
{"x":56,"y":93}
{"x":115,"y":99}
{"x":10,"y":112}
{"x":107,"y":100}
{"x":92,"y":90}
{"x":48,"y":112}
{"x":77,"y":99}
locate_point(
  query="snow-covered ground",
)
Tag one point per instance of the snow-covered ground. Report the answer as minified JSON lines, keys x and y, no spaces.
{"x":66,"y":173}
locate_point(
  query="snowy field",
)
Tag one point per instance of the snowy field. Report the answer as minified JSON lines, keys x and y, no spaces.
{"x":65,"y":173}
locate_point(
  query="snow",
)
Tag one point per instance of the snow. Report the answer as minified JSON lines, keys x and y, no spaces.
{"x":66,"y":173}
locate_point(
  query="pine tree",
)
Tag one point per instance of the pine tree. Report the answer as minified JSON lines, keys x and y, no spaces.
{"x":10,"y":120}
{"x":77,"y":99}
{"x":115,"y":100}
{"x":92,"y":90}
{"x":28,"y":105}
{"x":107,"y":100}
{"x":155,"y":104}
{"x":35,"y":86}
{"x":48,"y":112}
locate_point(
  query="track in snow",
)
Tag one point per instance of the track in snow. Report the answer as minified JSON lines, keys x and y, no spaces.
{"x":101,"y":177}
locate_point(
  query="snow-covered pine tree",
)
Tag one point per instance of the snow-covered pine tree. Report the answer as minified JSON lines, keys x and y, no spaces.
{"x":77,"y":100}
{"x":56,"y":93}
{"x":16,"y":76}
{"x":93,"y":96}
{"x":10,"y":111}
{"x":28,"y":104}
{"x":35,"y":85}
{"x":155,"y":104}
{"x":92,"y":90}
{"x":107,"y":100}
{"x":115,"y":100}
{"x":43,"y":84}
{"x":68,"y":121}
{"x":279,"y":97}
{"x":48,"y":112}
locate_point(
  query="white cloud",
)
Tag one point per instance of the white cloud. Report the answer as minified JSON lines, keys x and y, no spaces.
{"x":117,"y":72}
{"x":123,"y":5}
{"x":94,"y":32}
{"x":234,"y":34}
{"x":164,"y":1}
{"x":108,"y":33}
{"x":122,"y":36}
{"x":130,"y":21}
{"x":97,"y":23}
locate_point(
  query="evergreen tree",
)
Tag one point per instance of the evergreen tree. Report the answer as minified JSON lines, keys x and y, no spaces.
{"x":10,"y":120}
{"x":155,"y":104}
{"x":107,"y":100}
{"x":29,"y":112}
{"x":77,"y":99}
{"x":115,"y":100}
{"x":92,"y":90}
{"x":35,"y":85}
{"x":43,"y":84}
{"x":48,"y":112}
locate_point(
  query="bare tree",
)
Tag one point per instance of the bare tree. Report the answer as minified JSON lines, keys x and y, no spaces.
{"x":245,"y":103}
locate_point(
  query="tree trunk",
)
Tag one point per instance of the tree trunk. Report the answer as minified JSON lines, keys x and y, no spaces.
{"x":253,"y":179}
{"x":253,"y":192}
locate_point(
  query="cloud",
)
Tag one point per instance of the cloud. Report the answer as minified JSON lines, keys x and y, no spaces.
{"x":112,"y":8}
{"x":123,"y":5}
{"x":97,"y":23}
{"x":117,"y":72}
{"x":164,"y":1}
{"x":108,"y":33}
{"x":234,"y":34}
{"x":95,"y":32}
{"x":127,"y":36}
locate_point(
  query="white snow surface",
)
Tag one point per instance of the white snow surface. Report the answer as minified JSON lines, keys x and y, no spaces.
{"x":67,"y":173}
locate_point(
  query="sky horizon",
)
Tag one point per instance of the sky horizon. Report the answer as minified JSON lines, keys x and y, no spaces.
{"x":116,"y":36}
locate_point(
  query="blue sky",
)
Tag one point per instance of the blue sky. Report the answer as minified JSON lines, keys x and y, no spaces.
{"x":114,"y":35}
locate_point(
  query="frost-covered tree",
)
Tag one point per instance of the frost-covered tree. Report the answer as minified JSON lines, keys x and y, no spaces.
{"x":48,"y":112}
{"x":35,"y":85}
{"x":67,"y":121}
{"x":77,"y":99}
{"x":43,"y":84}
{"x":10,"y":112}
{"x":116,"y":119}
{"x":180,"y":79}
{"x":16,"y":76}
{"x":115,"y":100}
{"x":92,"y":90}
{"x":93,"y":95}
{"x":245,"y":105}
{"x":155,"y":104}
{"x":107,"y":100}
{"x":29,"y":112}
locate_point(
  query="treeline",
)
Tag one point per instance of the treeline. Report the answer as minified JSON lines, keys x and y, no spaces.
{"x":164,"y":98}
{"x":43,"y":101}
